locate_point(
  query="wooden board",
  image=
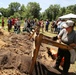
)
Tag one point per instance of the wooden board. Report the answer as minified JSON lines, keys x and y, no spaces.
{"x":43,"y":39}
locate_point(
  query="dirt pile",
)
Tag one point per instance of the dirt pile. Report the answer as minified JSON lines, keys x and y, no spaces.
{"x":16,"y":54}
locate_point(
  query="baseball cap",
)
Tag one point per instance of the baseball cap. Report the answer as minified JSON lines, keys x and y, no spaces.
{"x":68,"y":24}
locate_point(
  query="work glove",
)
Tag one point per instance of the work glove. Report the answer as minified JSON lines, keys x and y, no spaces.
{"x":55,"y":38}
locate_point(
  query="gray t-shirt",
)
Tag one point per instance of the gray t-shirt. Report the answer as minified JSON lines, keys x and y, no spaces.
{"x":67,"y":38}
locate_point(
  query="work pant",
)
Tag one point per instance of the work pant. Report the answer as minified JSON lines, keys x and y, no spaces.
{"x":66,"y":54}
{"x":46,"y":28}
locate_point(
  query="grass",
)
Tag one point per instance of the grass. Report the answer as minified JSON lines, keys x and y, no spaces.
{"x":49,"y":33}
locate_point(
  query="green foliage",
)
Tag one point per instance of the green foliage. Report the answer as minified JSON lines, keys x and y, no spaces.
{"x":62,"y":11}
{"x":52,"y":11}
{"x":22,"y":12}
{"x":32,"y":10}
{"x":5,"y":12}
{"x":14,"y":6}
{"x":16,"y":15}
{"x":23,"y":8}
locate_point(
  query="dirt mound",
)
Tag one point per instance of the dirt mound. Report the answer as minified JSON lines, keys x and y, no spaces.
{"x":3,"y":32}
{"x":14,"y":49}
{"x":16,"y":54}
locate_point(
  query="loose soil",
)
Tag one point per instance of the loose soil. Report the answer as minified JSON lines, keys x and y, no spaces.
{"x":16,"y":54}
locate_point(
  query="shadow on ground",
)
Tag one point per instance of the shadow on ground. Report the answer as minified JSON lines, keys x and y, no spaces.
{"x":40,"y":69}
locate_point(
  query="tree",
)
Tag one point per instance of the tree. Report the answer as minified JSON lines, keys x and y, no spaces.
{"x":16,"y":15}
{"x":43,"y":16}
{"x":71,"y":9}
{"x":74,"y":9}
{"x":22,"y":11}
{"x":62,"y":11}
{"x":2,"y":11}
{"x":14,"y":7}
{"x":52,"y":11}
{"x":34,"y":9}
{"x":5,"y":12}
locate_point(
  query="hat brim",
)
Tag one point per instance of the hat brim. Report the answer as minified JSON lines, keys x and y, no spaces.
{"x":65,"y":25}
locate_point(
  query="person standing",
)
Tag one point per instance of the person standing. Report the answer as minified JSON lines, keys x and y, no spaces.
{"x":9,"y":24}
{"x":47,"y":25}
{"x":18,"y":25}
{"x":25,"y":25}
{"x":42,"y":25}
{"x":67,"y":36}
{"x":3,"y":23}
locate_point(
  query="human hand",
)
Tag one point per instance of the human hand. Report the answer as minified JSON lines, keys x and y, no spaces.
{"x":73,"y":45}
{"x":55,"y":38}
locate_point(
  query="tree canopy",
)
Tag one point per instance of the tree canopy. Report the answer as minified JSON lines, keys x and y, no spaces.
{"x":32,"y":10}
